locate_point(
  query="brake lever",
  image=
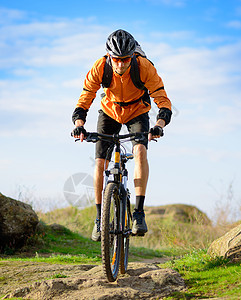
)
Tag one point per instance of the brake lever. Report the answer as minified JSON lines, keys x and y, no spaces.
{"x":91,"y":137}
{"x":141,"y":139}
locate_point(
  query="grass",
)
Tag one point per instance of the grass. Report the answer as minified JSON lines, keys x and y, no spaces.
{"x":66,"y":247}
{"x":207,"y":277}
{"x":59,"y":275}
{"x":52,"y":246}
{"x":172,"y":237}
{"x":15,"y":298}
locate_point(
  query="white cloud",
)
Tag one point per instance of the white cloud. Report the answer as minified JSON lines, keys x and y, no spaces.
{"x":40,"y":45}
{"x":235,"y":24}
{"x":5,"y":163}
{"x":10,"y":15}
{"x":198,"y":75}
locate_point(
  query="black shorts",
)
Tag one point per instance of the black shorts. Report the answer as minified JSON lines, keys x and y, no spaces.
{"x":107,"y":125}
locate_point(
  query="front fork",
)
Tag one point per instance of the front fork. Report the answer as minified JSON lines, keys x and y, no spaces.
{"x":125,"y":205}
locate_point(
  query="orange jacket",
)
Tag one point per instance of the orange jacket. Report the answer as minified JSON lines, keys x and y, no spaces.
{"x":122,"y":89}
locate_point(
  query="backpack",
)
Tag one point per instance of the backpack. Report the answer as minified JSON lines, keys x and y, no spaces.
{"x":134,"y":73}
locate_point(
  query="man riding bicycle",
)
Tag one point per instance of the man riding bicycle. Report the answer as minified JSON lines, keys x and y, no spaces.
{"x":123,"y":103}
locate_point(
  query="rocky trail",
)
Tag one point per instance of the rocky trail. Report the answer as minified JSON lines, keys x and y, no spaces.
{"x":32,"y":280}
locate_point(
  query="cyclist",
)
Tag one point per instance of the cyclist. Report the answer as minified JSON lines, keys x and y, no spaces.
{"x":123,"y":103}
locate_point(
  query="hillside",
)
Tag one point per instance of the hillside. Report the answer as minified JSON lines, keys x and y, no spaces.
{"x":171,"y":226}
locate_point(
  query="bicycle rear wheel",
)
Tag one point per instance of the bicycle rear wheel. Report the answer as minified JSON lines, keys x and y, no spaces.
{"x":125,"y":243}
{"x":110,"y":232}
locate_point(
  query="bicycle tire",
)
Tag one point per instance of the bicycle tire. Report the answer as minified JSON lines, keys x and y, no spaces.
{"x":110,"y":232}
{"x":125,"y":241}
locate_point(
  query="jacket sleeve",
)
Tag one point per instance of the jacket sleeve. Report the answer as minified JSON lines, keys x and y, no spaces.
{"x":92,"y":84}
{"x":155,"y":86}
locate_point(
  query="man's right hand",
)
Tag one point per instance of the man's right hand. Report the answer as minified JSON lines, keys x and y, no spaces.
{"x":79,"y":133}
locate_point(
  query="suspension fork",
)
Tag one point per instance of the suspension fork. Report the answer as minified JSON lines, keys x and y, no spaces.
{"x":117,"y":165}
{"x":124,"y":192}
{"x":115,"y":171}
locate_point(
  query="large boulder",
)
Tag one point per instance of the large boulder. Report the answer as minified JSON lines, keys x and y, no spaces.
{"x":180,"y":213}
{"x":18,"y":221}
{"x":228,"y":246}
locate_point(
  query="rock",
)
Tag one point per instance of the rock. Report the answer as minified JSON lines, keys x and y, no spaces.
{"x":228,"y":246}
{"x":180,"y":213}
{"x":18,"y":221}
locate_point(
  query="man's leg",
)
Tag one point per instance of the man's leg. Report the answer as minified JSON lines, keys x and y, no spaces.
{"x":141,"y":173}
{"x":98,"y":187}
{"x":105,"y":125}
{"x":100,"y":165}
{"x":98,"y":179}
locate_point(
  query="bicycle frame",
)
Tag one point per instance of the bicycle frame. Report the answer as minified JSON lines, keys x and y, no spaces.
{"x":120,"y":174}
{"x":115,"y":213}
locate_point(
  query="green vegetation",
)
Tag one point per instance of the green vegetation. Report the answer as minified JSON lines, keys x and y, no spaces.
{"x":58,"y":275}
{"x":59,"y":246}
{"x":63,"y":246}
{"x":15,"y":298}
{"x":207,"y":277}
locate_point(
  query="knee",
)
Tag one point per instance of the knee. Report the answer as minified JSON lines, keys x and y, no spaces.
{"x":99,"y":163}
{"x":140,"y":152}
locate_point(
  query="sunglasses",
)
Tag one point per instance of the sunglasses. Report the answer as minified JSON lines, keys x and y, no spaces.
{"x":119,"y":59}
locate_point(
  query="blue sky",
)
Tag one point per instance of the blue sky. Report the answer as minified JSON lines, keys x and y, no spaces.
{"x":46,"y":49}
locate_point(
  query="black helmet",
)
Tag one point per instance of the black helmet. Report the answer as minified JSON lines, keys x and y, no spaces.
{"x":120,"y":43}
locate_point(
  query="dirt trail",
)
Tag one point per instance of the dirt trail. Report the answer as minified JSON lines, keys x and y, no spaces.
{"x":34,"y":280}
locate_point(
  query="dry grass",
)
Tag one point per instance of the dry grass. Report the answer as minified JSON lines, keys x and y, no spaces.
{"x":163,"y":232}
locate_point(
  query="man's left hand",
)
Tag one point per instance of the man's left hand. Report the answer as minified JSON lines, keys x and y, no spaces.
{"x":155,"y":132}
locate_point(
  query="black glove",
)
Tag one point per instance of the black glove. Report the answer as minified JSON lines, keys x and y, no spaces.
{"x":78,"y":130}
{"x":156,"y":130}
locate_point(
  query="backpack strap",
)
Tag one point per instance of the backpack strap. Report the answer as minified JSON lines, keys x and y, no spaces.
{"x":135,"y":74}
{"x":122,"y":104}
{"x":108,"y":73}
{"x":136,"y":79}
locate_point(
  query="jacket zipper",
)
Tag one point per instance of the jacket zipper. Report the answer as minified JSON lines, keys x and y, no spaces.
{"x":121,"y":79}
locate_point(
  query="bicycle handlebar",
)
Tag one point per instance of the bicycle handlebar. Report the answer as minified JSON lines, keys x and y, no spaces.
{"x":95,"y":137}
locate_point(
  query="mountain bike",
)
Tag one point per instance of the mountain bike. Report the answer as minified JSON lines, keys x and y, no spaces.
{"x":116,"y":215}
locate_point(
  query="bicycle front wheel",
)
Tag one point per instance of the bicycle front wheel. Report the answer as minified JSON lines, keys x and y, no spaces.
{"x":110,"y":232}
